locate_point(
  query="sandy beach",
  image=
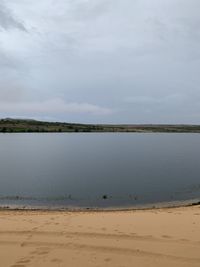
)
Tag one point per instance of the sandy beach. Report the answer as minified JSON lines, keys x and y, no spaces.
{"x":159,"y":237}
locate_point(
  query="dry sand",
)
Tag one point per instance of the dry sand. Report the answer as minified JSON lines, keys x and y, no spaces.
{"x":159,"y":237}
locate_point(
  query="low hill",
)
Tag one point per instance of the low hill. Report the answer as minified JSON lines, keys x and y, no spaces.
{"x":25,"y":125}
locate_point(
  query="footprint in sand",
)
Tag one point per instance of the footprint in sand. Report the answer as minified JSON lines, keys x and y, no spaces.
{"x":23,"y":261}
{"x":40,"y":251}
{"x":107,"y":259}
{"x":17,"y":265}
{"x":56,"y":260}
{"x":29,"y":237}
{"x":166,"y":236}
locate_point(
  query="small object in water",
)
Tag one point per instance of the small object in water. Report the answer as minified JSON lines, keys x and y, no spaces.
{"x":104,"y":196}
{"x":195,"y":203}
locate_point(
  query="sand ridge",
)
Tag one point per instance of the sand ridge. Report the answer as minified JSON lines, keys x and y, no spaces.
{"x":157,"y":237}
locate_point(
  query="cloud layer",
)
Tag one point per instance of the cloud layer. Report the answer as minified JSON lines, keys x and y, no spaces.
{"x":51,"y":107}
{"x":112,"y":61}
{"x":8,"y":20}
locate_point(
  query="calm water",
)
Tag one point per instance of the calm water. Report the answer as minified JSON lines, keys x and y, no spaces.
{"x":98,"y":170}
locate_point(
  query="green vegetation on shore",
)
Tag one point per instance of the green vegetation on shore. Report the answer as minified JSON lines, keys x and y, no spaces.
{"x":28,"y":126}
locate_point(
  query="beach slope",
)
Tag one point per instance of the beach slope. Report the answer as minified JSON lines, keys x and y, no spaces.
{"x":158,"y":237}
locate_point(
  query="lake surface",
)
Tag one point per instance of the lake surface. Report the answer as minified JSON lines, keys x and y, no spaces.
{"x":98,"y":170}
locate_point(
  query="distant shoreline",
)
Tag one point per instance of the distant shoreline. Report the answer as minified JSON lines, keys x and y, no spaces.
{"x":34,"y":126}
{"x":150,"y":206}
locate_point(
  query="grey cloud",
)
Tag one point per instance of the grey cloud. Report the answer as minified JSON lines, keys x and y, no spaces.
{"x":149,"y":100}
{"x":53,"y":106}
{"x":87,"y":10}
{"x":5,"y":60}
{"x":8,"y":20}
{"x":92,"y":54}
{"x":10,"y":93}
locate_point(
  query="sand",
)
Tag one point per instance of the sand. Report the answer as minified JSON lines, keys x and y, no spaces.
{"x":159,"y":237}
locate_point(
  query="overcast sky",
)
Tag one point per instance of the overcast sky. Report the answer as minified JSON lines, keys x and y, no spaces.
{"x":100,"y":61}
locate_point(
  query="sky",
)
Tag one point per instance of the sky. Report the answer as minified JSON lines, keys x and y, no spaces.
{"x":100,"y":61}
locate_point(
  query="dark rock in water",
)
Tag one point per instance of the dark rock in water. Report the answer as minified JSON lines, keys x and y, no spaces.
{"x":195,"y":203}
{"x":104,"y":196}
{"x":133,"y":197}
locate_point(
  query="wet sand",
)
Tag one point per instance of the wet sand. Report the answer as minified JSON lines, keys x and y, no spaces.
{"x":157,"y":237}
